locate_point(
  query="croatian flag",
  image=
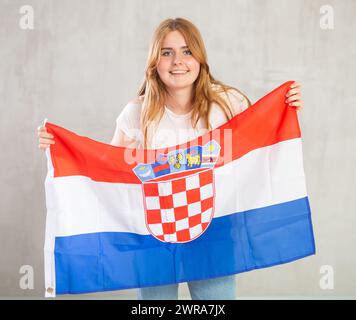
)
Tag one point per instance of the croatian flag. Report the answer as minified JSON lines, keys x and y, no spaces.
{"x":230,"y":201}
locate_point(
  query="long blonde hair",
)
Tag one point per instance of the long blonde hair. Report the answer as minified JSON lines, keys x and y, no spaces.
{"x":154,"y":91}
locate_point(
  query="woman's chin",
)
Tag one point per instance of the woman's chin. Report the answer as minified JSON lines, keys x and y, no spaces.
{"x":179,"y":85}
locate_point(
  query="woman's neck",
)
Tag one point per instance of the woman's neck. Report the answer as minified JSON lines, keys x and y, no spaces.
{"x":179,"y":101}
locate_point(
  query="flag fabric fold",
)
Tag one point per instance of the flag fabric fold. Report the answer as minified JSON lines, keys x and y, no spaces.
{"x":230,"y":201}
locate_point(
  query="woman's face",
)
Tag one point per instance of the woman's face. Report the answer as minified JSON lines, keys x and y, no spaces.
{"x":177,"y":68}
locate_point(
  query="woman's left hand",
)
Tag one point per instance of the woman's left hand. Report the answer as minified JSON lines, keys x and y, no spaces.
{"x":293,"y":96}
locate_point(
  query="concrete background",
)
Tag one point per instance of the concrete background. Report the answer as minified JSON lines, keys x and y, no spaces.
{"x":84,"y":60}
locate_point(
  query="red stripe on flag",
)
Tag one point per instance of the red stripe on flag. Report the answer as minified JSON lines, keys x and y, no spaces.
{"x":265,"y":123}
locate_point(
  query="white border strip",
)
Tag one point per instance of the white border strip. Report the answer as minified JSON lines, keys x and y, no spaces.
{"x":49,"y":263}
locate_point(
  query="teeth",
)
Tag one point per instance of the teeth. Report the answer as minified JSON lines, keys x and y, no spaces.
{"x":178,"y":72}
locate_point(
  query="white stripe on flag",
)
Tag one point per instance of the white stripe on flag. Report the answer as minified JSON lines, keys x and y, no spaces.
{"x":261,"y":178}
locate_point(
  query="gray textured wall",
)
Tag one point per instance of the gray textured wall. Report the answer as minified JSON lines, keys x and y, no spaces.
{"x":84,"y":60}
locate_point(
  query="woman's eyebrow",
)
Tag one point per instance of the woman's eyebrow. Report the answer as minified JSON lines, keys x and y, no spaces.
{"x":168,"y":48}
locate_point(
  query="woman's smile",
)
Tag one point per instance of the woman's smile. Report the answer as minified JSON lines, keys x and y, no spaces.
{"x":178,"y":73}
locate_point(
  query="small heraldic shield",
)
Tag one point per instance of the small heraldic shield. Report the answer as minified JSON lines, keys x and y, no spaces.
{"x":178,"y":192}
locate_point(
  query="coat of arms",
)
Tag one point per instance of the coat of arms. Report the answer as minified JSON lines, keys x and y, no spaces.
{"x":178,"y":191}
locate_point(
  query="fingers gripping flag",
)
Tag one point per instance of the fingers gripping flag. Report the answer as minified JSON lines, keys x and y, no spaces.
{"x":230,"y":201}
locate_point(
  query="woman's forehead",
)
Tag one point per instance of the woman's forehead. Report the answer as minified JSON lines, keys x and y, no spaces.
{"x":174,"y":40}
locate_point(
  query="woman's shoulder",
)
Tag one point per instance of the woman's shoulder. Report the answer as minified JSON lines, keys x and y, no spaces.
{"x":136,"y":101}
{"x":131,"y":113}
{"x":133,"y":108}
{"x":228,"y":92}
{"x":234,"y":98}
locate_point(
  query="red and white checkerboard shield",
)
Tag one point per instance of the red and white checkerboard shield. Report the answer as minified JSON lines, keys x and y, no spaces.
{"x":179,"y":209}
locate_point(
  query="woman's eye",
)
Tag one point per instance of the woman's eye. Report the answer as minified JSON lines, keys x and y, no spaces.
{"x":167,"y":53}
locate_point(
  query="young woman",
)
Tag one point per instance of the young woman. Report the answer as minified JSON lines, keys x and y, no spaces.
{"x":178,"y":101}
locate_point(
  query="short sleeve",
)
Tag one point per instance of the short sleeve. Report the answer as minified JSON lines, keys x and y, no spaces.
{"x":129,"y":121}
{"x":238,"y":102}
{"x":235,"y":100}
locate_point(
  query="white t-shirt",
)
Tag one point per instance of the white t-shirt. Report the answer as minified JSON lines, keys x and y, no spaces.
{"x":173,"y":128}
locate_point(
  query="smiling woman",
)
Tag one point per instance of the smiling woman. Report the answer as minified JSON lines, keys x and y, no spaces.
{"x":180,"y":99}
{"x":178,"y":79}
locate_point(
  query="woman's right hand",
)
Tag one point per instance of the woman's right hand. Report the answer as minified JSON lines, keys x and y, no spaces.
{"x":45,"y":138}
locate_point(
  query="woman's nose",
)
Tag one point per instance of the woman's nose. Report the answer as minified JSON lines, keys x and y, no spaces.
{"x":177,"y":58}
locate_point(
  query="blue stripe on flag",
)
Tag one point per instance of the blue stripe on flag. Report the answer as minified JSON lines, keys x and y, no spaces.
{"x":118,"y":260}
